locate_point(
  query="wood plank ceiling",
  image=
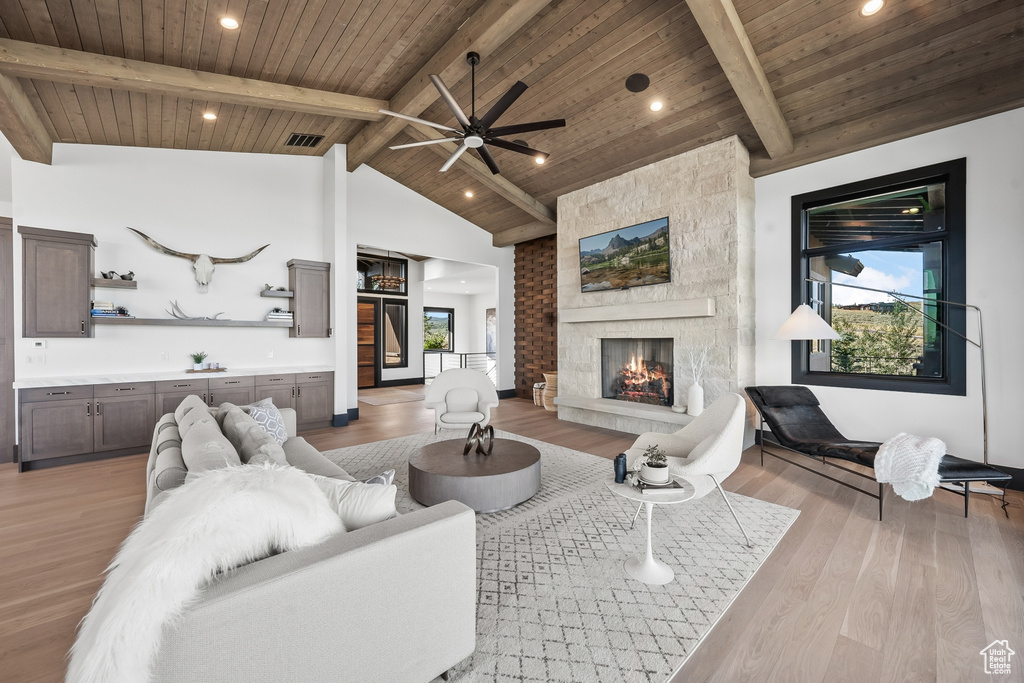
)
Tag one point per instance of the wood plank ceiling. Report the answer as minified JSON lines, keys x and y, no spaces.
{"x":842,"y":81}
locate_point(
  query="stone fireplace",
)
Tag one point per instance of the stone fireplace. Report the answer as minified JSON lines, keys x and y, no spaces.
{"x":707,"y":195}
{"x":637,"y":370}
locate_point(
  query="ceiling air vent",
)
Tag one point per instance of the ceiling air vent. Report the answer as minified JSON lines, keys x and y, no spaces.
{"x":303,"y":140}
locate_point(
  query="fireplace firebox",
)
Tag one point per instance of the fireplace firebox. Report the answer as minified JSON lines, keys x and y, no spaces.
{"x":637,"y":370}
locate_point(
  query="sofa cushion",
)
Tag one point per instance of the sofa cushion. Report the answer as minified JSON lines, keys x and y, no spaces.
{"x":234,"y":422}
{"x":191,"y":401}
{"x":461,"y":400}
{"x":358,"y":504}
{"x":169,"y":467}
{"x":269,"y":418}
{"x":204,"y":447}
{"x":462,"y":418}
{"x":300,"y":454}
{"x":198,"y":414}
{"x":257,"y":446}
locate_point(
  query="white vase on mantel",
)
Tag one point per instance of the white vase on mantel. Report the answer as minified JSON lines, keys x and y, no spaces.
{"x":695,"y":400}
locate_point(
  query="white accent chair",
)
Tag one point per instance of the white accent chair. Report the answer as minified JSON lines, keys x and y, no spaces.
{"x":460,"y":398}
{"x":704,"y":452}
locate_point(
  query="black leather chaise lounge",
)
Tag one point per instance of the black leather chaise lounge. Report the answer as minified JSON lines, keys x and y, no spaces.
{"x":798,"y":425}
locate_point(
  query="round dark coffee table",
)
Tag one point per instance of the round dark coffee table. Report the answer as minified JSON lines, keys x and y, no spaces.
{"x":486,"y":483}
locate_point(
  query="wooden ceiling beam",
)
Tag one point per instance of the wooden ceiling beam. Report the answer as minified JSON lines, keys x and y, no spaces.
{"x":729,"y":41}
{"x":478,"y":170}
{"x":522,"y":233}
{"x":494,"y":23}
{"x":29,"y":60}
{"x":21,"y":125}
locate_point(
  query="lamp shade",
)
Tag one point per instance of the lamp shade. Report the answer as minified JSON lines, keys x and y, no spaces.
{"x":804,"y":323}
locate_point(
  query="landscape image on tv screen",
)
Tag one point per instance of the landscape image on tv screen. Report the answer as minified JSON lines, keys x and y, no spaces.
{"x":627,"y":257}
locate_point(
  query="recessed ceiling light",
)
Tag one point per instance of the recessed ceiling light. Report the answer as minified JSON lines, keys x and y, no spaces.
{"x":539,"y":159}
{"x":871,"y":7}
{"x":462,"y":282}
{"x":467,"y":291}
{"x":210,"y":116}
{"x":229,"y":23}
{"x":656,"y":105}
{"x":469,"y":193}
{"x":428,"y":287}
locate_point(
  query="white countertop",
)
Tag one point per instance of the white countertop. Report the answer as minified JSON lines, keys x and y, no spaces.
{"x":110,"y":378}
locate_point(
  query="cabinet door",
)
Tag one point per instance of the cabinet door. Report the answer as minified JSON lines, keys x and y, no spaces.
{"x":314,"y":403}
{"x":311,"y":305}
{"x":52,"y":429}
{"x":56,"y":288}
{"x":282,"y":396}
{"x":123,"y":422}
{"x":168,"y":401}
{"x":240,"y":396}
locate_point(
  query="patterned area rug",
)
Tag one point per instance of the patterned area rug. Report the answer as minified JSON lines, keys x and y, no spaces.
{"x":555,"y":603}
{"x":385,"y":397}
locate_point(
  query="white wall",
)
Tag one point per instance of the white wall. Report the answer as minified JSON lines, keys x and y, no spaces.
{"x":219,"y":203}
{"x":388,"y":215}
{"x":7,"y":154}
{"x":994,"y":148}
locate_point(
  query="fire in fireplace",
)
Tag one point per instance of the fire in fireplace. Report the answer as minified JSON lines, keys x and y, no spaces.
{"x":637,"y":370}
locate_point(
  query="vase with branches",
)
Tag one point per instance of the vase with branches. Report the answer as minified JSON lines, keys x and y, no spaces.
{"x":697,"y":354}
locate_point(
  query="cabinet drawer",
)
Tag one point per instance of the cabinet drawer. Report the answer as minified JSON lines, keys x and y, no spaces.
{"x":274,"y":380}
{"x":314,"y":377}
{"x":178,"y":385}
{"x":232,"y":382}
{"x":124,"y":389}
{"x":55,"y":393}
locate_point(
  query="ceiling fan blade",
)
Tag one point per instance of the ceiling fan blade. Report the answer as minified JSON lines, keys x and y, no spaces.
{"x":526,"y":127}
{"x":488,"y":159}
{"x":515,"y":147}
{"x":416,"y":120}
{"x":449,"y":99}
{"x":454,"y":157}
{"x":502,"y":104}
{"x":426,"y":142}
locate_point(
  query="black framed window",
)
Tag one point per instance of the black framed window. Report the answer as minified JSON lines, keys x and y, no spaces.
{"x":382,"y":274}
{"x":438,"y":329}
{"x":395,"y":333}
{"x":901,"y":233}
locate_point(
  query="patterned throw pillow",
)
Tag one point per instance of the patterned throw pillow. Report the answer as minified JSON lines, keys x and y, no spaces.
{"x":269,"y":418}
{"x":385,"y":478}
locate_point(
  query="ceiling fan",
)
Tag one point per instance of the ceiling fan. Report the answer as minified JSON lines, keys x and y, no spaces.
{"x":477,"y":133}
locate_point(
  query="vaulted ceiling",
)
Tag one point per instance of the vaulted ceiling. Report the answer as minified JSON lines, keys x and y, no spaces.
{"x":796,"y":80}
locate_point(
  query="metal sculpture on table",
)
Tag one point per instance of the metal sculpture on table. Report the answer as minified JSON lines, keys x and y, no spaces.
{"x":202,"y":264}
{"x":481,"y":438}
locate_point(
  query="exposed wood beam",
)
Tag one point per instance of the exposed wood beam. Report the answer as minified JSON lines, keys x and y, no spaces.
{"x":724,"y":31}
{"x":522,"y":233}
{"x":21,"y":125}
{"x":494,"y":23}
{"x":468,"y":163}
{"x":29,"y":60}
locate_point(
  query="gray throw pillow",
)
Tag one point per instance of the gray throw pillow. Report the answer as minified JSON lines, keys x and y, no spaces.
{"x":269,"y":418}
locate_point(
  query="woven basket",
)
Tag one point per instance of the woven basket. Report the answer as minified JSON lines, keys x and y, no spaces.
{"x":550,"y":391}
{"x":538,"y":394}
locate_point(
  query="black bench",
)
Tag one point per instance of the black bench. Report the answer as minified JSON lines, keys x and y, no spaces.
{"x":798,"y":425}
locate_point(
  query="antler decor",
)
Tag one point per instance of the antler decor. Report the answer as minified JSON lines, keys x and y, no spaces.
{"x":176,"y":312}
{"x":201,"y":263}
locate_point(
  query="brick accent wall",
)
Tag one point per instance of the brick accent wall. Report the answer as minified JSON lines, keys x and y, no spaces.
{"x":536,"y":312}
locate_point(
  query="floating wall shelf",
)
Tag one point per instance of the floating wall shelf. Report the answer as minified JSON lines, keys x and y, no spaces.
{"x":275,"y":294}
{"x":115,"y":284}
{"x":191,"y":323}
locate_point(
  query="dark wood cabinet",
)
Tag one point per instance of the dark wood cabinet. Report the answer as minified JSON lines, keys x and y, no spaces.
{"x":314,"y":399}
{"x":310,"y":281}
{"x":237,"y":390}
{"x":56,"y":279}
{"x":123,"y":421}
{"x":170,"y":393}
{"x":278,"y":388}
{"x":55,"y":421}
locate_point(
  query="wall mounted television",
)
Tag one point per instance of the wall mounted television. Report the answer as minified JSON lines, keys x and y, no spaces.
{"x":626,"y":257}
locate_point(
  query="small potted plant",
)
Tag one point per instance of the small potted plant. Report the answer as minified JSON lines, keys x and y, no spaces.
{"x":655,"y":466}
{"x":197,"y":359}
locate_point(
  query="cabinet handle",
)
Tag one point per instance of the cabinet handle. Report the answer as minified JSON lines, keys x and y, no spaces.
{"x":98,"y":405}
{"x":298,"y":330}
{"x":293,"y":392}
{"x":204,"y":398}
{"x":235,"y":382}
{"x":330,"y":331}
{"x":57,"y":393}
{"x":88,"y":409}
{"x":211,"y":398}
{"x":126,"y":389}
{"x":315,"y":376}
{"x":177,"y":386}
{"x":274,"y":379}
{"x":300,"y":392}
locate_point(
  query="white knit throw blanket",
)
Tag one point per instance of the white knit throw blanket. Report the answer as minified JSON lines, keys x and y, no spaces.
{"x":911,"y":464}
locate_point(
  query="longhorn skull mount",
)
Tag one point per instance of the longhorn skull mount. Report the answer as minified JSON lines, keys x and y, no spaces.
{"x":202,"y":264}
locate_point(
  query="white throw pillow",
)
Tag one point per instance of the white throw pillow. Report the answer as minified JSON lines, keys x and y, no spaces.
{"x":269,"y":418}
{"x":358,"y":504}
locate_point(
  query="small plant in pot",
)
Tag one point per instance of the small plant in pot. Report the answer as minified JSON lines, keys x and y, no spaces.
{"x":197,"y":359}
{"x":655,"y":466}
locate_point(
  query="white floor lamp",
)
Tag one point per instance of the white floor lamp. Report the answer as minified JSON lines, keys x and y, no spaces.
{"x":805,"y":324}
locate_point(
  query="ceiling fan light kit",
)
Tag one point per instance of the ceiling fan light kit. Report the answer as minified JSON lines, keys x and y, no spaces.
{"x":476,"y":133}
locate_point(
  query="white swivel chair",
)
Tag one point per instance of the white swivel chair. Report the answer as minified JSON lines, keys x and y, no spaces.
{"x":460,"y":398}
{"x":704,"y":452}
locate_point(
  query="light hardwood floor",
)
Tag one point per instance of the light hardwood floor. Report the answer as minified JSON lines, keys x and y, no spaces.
{"x":842,"y":598}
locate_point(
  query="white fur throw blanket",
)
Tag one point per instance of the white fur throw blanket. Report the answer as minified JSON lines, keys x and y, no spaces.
{"x":911,"y":464}
{"x":222,"y":519}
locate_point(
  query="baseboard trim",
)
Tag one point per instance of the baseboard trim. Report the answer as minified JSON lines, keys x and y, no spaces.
{"x":399,"y":382}
{"x":506,"y":393}
{"x":46,"y":463}
{"x":339,"y":421}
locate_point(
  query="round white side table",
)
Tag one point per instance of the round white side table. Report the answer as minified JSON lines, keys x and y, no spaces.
{"x":644,"y":567}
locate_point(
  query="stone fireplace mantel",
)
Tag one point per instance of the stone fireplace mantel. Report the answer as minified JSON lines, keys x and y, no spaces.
{"x":654,"y":310}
